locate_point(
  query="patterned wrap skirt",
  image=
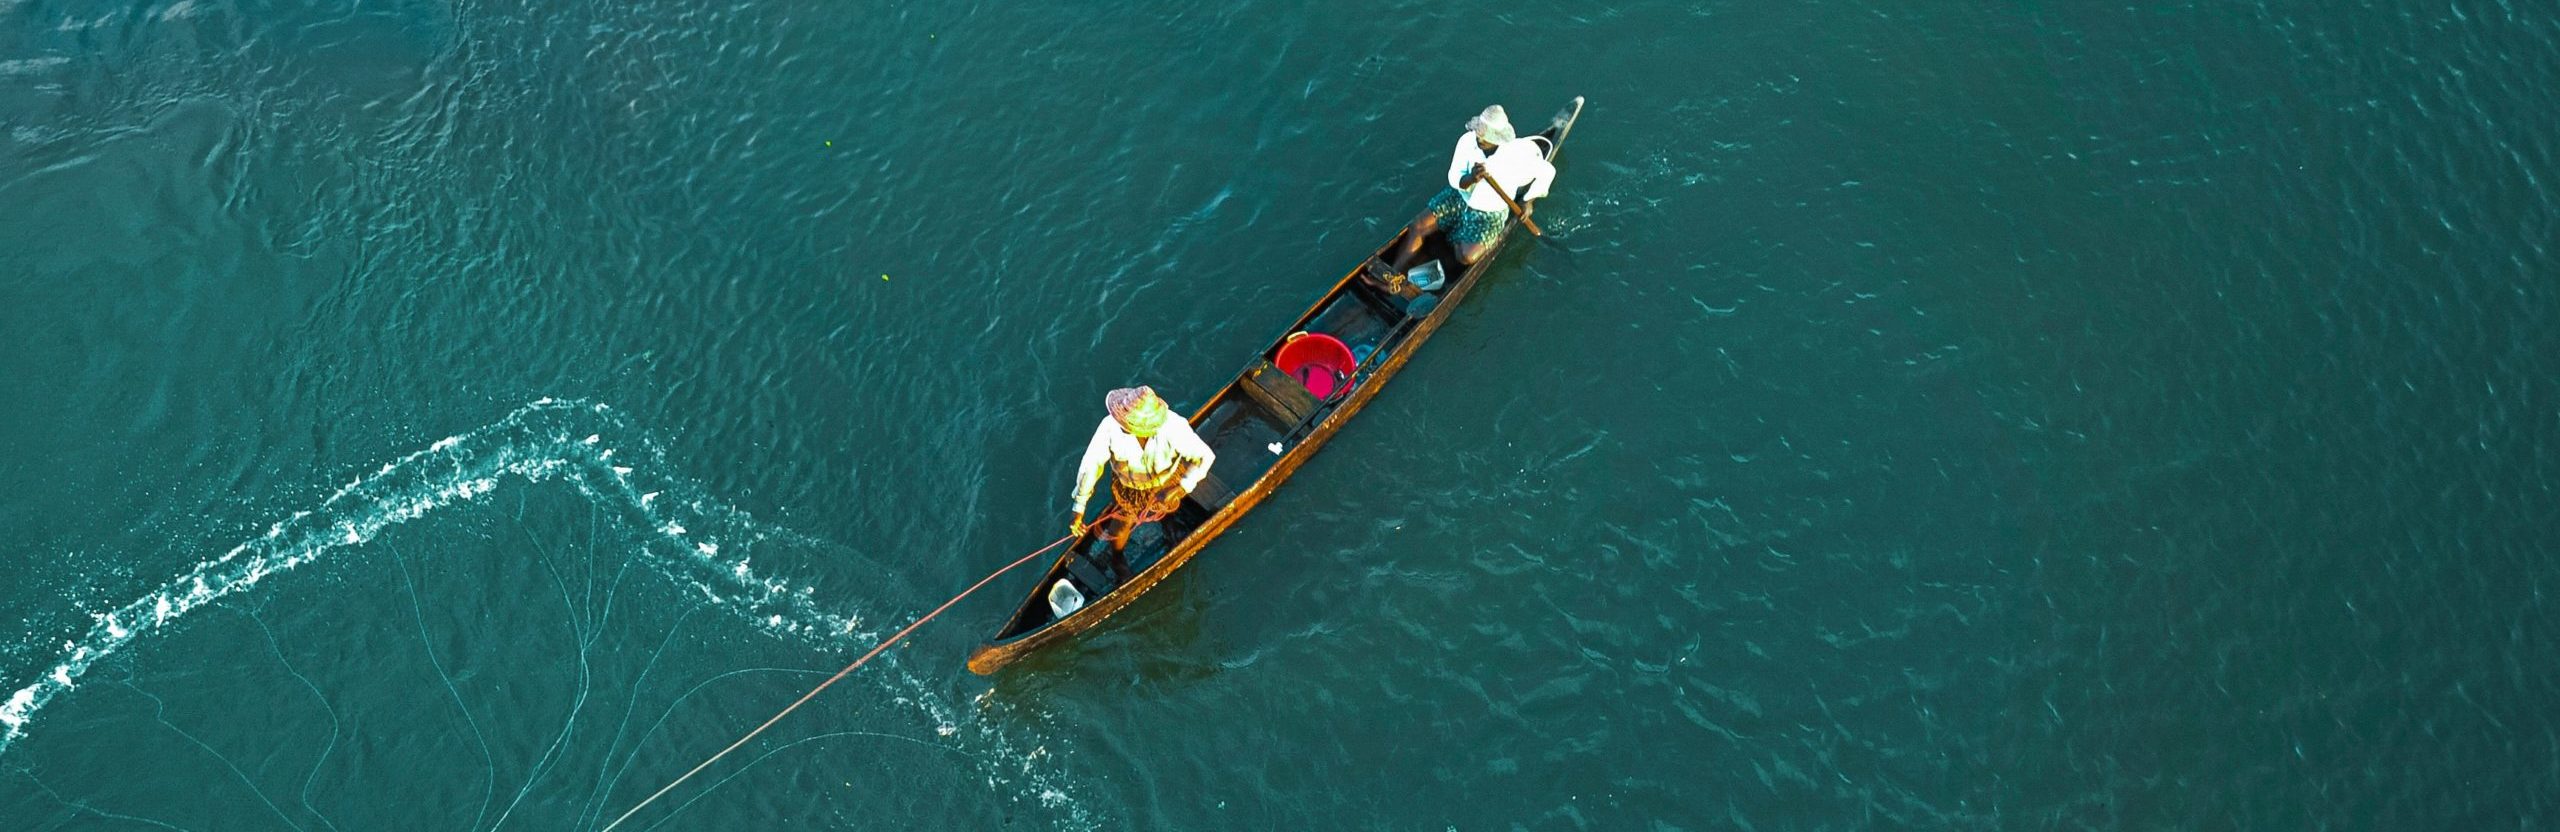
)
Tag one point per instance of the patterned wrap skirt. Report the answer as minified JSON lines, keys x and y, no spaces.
{"x":1147,"y":503}
{"x":1464,"y":224}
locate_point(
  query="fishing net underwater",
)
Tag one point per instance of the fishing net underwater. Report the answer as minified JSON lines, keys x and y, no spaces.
{"x":533,"y":624}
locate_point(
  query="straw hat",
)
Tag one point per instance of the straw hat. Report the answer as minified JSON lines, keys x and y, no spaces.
{"x":1492,"y":126}
{"x":1139,"y":410}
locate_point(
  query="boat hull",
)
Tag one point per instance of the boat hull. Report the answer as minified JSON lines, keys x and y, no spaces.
{"x":1391,"y":320}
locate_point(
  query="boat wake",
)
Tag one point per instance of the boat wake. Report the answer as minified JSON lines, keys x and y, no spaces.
{"x":701,"y":544}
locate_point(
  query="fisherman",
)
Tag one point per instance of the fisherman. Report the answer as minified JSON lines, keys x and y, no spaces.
{"x":1154,"y":458}
{"x":1470,"y":209}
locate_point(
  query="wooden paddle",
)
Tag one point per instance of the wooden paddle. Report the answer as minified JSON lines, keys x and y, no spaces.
{"x":1505,"y":193}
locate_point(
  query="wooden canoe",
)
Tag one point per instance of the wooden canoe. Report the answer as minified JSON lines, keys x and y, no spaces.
{"x":1263,"y":425}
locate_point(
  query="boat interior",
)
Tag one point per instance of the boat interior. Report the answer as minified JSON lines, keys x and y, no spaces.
{"x":1257,"y":418}
{"x":1265,"y":411}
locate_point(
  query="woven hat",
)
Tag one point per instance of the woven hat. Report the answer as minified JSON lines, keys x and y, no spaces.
{"x":1492,"y":126}
{"x":1139,"y":410}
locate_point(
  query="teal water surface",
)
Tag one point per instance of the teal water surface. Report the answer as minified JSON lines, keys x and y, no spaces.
{"x":2022,"y":415}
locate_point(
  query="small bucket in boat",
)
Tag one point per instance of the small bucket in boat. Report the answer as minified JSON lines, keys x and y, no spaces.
{"x":1427,"y":276}
{"x":1064,"y":599}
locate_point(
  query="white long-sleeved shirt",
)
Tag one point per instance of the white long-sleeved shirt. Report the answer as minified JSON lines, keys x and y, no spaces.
{"x":1173,"y":444}
{"x":1516,"y":164}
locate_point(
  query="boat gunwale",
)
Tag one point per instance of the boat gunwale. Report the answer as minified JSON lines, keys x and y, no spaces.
{"x":1399,"y":346}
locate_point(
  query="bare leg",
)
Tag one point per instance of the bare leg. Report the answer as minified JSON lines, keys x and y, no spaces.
{"x":1118,"y":534}
{"x":1469,"y":253}
{"x":1422,"y":227}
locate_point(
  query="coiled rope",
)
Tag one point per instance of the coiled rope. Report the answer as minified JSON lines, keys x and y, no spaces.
{"x":813,"y":692}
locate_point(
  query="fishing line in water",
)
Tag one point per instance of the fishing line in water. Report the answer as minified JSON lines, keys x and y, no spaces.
{"x":813,"y":692}
{"x":663,"y":524}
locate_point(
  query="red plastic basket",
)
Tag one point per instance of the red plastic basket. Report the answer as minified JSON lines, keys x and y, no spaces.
{"x":1321,"y":362}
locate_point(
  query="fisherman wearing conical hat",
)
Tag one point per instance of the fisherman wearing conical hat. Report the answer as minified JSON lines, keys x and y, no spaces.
{"x":1470,"y":210}
{"x":1154,"y":459}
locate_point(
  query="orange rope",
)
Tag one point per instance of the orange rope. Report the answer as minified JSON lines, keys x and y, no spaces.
{"x":813,"y":692}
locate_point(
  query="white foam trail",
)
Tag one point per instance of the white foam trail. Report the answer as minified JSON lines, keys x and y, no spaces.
{"x":539,"y":442}
{"x":698,"y":542}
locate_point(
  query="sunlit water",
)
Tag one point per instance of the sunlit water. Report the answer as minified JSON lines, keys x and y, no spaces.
{"x":470,"y":416}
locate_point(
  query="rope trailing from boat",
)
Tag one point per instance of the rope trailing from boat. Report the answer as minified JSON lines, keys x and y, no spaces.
{"x":813,"y":692}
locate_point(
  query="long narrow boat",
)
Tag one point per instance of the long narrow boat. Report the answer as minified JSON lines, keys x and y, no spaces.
{"x":1263,"y":425}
